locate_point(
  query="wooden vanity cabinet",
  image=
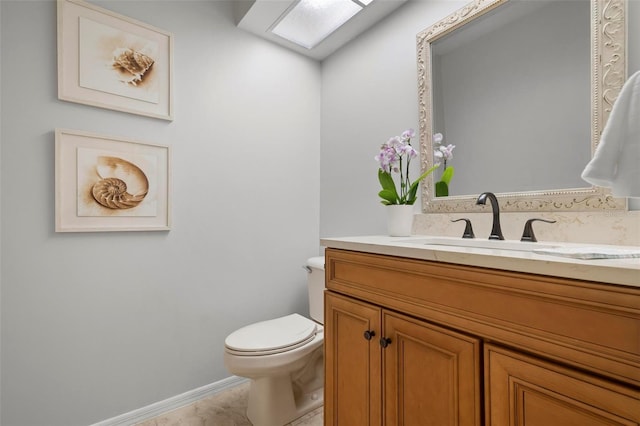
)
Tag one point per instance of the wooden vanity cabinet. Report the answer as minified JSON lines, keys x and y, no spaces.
{"x":353,"y":364}
{"x":428,"y":375}
{"x":413,"y":342}
{"x":523,"y":390}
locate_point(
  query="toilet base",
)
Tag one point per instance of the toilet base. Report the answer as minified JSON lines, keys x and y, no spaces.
{"x":278,"y":400}
{"x":271,"y":402}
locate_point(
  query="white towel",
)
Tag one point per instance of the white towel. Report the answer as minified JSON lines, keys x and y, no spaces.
{"x":616,"y":162}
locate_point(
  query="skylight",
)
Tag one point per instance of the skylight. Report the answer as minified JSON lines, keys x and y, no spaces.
{"x":309,"y":22}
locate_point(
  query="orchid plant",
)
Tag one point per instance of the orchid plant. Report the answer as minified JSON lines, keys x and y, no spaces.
{"x":395,"y":157}
{"x":445,"y":153}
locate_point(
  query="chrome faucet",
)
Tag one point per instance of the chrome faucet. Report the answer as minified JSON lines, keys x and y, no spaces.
{"x":496,"y":232}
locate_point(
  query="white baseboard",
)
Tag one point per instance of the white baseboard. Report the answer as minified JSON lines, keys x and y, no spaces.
{"x":169,"y":404}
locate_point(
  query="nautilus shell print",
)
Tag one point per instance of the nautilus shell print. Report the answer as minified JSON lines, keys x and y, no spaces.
{"x":121,"y":185}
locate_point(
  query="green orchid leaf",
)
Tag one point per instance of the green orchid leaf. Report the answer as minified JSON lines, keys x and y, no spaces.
{"x":388,"y":196}
{"x":447,"y":175}
{"x":412,"y":195}
{"x":413,"y":189}
{"x":442,"y":189}
{"x":386,"y":180}
{"x":425,"y":174}
{"x":389,"y":191}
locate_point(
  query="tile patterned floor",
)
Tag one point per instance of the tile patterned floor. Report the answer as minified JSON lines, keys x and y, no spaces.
{"x":226,"y":408}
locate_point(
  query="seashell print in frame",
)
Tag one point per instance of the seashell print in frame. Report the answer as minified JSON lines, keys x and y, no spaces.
{"x":112,"y":61}
{"x":105,"y":183}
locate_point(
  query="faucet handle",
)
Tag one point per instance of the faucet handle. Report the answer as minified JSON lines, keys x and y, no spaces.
{"x":528,"y":234}
{"x":468,"y":229}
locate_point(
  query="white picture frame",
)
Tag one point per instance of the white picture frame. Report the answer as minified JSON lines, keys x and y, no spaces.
{"x":105,"y":183}
{"x":111,"y":61}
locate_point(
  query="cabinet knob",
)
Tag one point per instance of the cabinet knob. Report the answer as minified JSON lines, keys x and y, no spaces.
{"x":385,"y":341}
{"x":369,"y":334}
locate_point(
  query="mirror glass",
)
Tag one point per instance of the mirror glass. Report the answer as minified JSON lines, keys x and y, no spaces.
{"x":511,"y":85}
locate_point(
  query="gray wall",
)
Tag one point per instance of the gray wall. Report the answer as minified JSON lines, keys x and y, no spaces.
{"x":95,"y":325}
{"x":369,"y":93}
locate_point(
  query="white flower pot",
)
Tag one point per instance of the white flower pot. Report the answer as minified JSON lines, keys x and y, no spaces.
{"x":399,"y":220}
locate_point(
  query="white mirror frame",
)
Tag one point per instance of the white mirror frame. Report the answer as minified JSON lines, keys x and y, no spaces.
{"x":608,"y":74}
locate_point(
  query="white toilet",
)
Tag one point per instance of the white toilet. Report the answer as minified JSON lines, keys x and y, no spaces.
{"x":283,"y":357}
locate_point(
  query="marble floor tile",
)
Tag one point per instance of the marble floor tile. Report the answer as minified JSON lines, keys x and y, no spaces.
{"x":226,"y":408}
{"x":314,"y":418}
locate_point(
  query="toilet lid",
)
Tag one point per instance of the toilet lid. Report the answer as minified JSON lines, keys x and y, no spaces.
{"x":272,"y":335}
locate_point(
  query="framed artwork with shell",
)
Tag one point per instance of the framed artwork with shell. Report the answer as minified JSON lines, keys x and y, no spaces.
{"x":111,"y":61}
{"x":110,"y":184}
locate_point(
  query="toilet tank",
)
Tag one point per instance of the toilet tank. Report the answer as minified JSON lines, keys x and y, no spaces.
{"x":315,"y":282}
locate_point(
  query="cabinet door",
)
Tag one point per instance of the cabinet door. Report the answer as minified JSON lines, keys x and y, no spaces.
{"x":353,"y":394}
{"x":431,"y":375}
{"x":525,"y":391}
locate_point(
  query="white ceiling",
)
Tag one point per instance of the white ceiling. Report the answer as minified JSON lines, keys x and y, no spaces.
{"x":261,"y":14}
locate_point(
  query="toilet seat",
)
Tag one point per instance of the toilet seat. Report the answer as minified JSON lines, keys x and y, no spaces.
{"x":271,"y":337}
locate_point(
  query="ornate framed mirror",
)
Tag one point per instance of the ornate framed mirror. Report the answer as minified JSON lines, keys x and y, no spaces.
{"x":523,"y":90}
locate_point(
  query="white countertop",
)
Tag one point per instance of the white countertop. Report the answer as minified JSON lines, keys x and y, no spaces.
{"x":611,"y":271}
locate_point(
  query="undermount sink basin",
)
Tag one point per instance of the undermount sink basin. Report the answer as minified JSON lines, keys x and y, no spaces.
{"x":478,"y":243}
